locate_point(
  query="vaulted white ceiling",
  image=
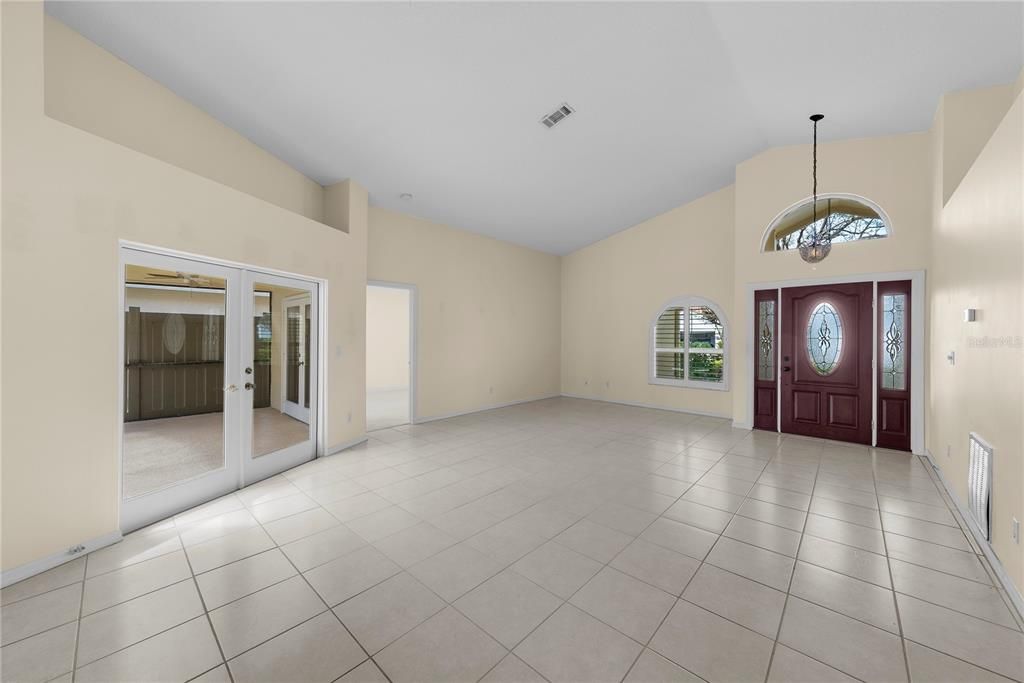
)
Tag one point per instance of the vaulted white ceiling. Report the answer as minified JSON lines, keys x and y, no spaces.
{"x":443,"y":100}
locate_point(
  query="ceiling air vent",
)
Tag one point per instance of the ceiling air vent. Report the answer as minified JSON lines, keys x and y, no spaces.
{"x":979,"y":484}
{"x":557,"y":115}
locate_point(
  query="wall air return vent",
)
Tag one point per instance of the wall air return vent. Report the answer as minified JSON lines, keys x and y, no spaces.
{"x":979,"y":484}
{"x":557,"y":116}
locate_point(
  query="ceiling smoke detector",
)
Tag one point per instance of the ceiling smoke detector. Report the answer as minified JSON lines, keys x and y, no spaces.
{"x":557,"y":116}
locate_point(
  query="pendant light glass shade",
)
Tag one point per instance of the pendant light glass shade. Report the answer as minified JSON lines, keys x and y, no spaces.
{"x":817,"y":243}
{"x":814,"y":252}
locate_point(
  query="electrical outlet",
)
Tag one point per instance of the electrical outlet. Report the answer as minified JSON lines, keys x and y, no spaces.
{"x":1015,"y":530}
{"x":586,"y":382}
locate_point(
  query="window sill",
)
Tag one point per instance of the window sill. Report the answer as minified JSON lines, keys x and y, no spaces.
{"x":690,"y":384}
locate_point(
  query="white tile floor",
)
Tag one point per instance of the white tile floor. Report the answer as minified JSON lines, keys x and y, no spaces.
{"x":563,"y":540}
{"x":386,"y":408}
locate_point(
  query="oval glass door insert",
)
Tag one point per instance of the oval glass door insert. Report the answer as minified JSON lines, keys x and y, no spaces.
{"x":824,"y":338}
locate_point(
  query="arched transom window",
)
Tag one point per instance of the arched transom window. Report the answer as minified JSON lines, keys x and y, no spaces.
{"x":688,"y":345}
{"x":843,"y":218}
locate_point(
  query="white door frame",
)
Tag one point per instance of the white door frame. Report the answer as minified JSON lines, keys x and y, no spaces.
{"x":139,"y":250}
{"x":413,"y":337}
{"x":298,"y":411}
{"x":917,"y":333}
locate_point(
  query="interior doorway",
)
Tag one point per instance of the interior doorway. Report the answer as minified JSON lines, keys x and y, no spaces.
{"x":219,"y":384}
{"x":390,"y":310}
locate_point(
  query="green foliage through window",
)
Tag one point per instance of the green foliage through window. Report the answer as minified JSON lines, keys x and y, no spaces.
{"x":689,"y":342}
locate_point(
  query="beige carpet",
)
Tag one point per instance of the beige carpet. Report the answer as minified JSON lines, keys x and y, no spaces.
{"x":158,"y":453}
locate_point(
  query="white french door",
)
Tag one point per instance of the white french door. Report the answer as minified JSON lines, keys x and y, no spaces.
{"x":219,"y":380}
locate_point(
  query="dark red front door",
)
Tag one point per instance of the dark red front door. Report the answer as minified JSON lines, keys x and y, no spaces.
{"x":826,"y":361}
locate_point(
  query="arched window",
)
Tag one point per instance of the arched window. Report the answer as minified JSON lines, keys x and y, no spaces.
{"x":843,"y":217}
{"x":688,"y":345}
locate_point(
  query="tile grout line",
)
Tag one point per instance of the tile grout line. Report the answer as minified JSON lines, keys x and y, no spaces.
{"x":888,"y":564}
{"x":792,"y":574}
{"x":206,"y":613}
{"x":567,"y":601}
{"x":320,"y":597}
{"x":78,"y":625}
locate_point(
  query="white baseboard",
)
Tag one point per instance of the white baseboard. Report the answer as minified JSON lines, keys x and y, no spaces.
{"x":434,"y":418}
{"x":337,"y":448}
{"x":979,"y":538}
{"x":43,"y":564}
{"x":649,"y":405}
{"x":736,"y":424}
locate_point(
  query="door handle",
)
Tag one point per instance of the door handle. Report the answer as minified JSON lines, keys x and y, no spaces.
{"x":786,"y":368}
{"x":231,"y":387}
{"x":249,"y":386}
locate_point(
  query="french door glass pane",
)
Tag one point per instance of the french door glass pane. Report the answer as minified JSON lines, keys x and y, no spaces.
{"x":278,"y":370}
{"x":307,"y":364}
{"x":174,"y":377}
{"x":294,"y":346}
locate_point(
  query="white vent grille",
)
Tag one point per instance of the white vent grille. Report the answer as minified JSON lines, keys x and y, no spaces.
{"x":979,"y":484}
{"x":557,"y":116}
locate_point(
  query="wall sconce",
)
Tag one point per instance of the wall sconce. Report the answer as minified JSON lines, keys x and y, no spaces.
{"x":970,"y":315}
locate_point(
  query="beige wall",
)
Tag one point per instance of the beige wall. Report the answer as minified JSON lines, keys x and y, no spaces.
{"x":977,"y":261}
{"x":612,"y":290}
{"x":387,"y":338}
{"x":91,"y":89}
{"x":489,"y":313}
{"x":68,"y":197}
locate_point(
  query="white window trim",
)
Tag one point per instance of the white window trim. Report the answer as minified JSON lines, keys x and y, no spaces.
{"x":652,"y":350}
{"x":889,"y":230}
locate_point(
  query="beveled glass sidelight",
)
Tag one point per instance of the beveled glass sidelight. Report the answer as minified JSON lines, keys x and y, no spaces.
{"x":766,"y":340}
{"x":824,"y":339}
{"x":894,"y":336}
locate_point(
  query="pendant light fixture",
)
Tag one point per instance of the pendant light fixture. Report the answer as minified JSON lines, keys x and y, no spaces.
{"x":816,"y":243}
